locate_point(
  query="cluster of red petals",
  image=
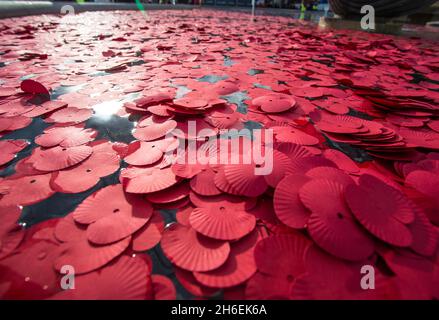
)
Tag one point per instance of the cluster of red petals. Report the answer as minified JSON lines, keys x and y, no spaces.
{"x":303,"y":231}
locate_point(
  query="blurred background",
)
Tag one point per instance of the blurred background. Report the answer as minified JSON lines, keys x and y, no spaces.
{"x":392,"y":16}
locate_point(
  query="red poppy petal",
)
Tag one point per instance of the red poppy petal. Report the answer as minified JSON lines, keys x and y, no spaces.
{"x":425,"y":182}
{"x":381,"y":210}
{"x":203,"y":183}
{"x":341,"y":160}
{"x":148,"y":180}
{"x":274,"y":103}
{"x":425,"y":235}
{"x":282,"y":255}
{"x":125,"y":279}
{"x":87,"y":174}
{"x":191,"y":251}
{"x":281,"y":168}
{"x":292,"y":135}
{"x":35,"y":265}
{"x":34,"y":87}
{"x":115,"y":227}
{"x":163,"y":288}
{"x":10,"y":148}
{"x":174,"y":193}
{"x":67,"y":230}
{"x":188,"y":281}
{"x":70,"y":115}
{"x":287,"y":205}
{"x":149,"y":235}
{"x":332,"y":174}
{"x":86,"y":257}
{"x":223,"y":223}
{"x":239,"y":266}
{"x":58,"y":158}
{"x":111,"y":200}
{"x":27,"y":190}
{"x":45,"y":108}
{"x":155,"y":130}
{"x":266,"y":287}
{"x":331,"y":224}
{"x":243,"y":179}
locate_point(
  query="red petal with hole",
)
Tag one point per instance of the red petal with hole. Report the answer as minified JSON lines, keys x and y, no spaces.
{"x":274,"y":103}
{"x":150,"y":152}
{"x":223,"y":88}
{"x":292,"y":135}
{"x":27,"y":190}
{"x":244,"y":180}
{"x":58,"y":158}
{"x":190,"y":103}
{"x":223,"y":120}
{"x":117,"y":226}
{"x":87,"y":174}
{"x":223,"y":223}
{"x":191,"y":251}
{"x":238,"y":268}
{"x":381,"y":209}
{"x":331,"y":224}
{"x":111,"y":200}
